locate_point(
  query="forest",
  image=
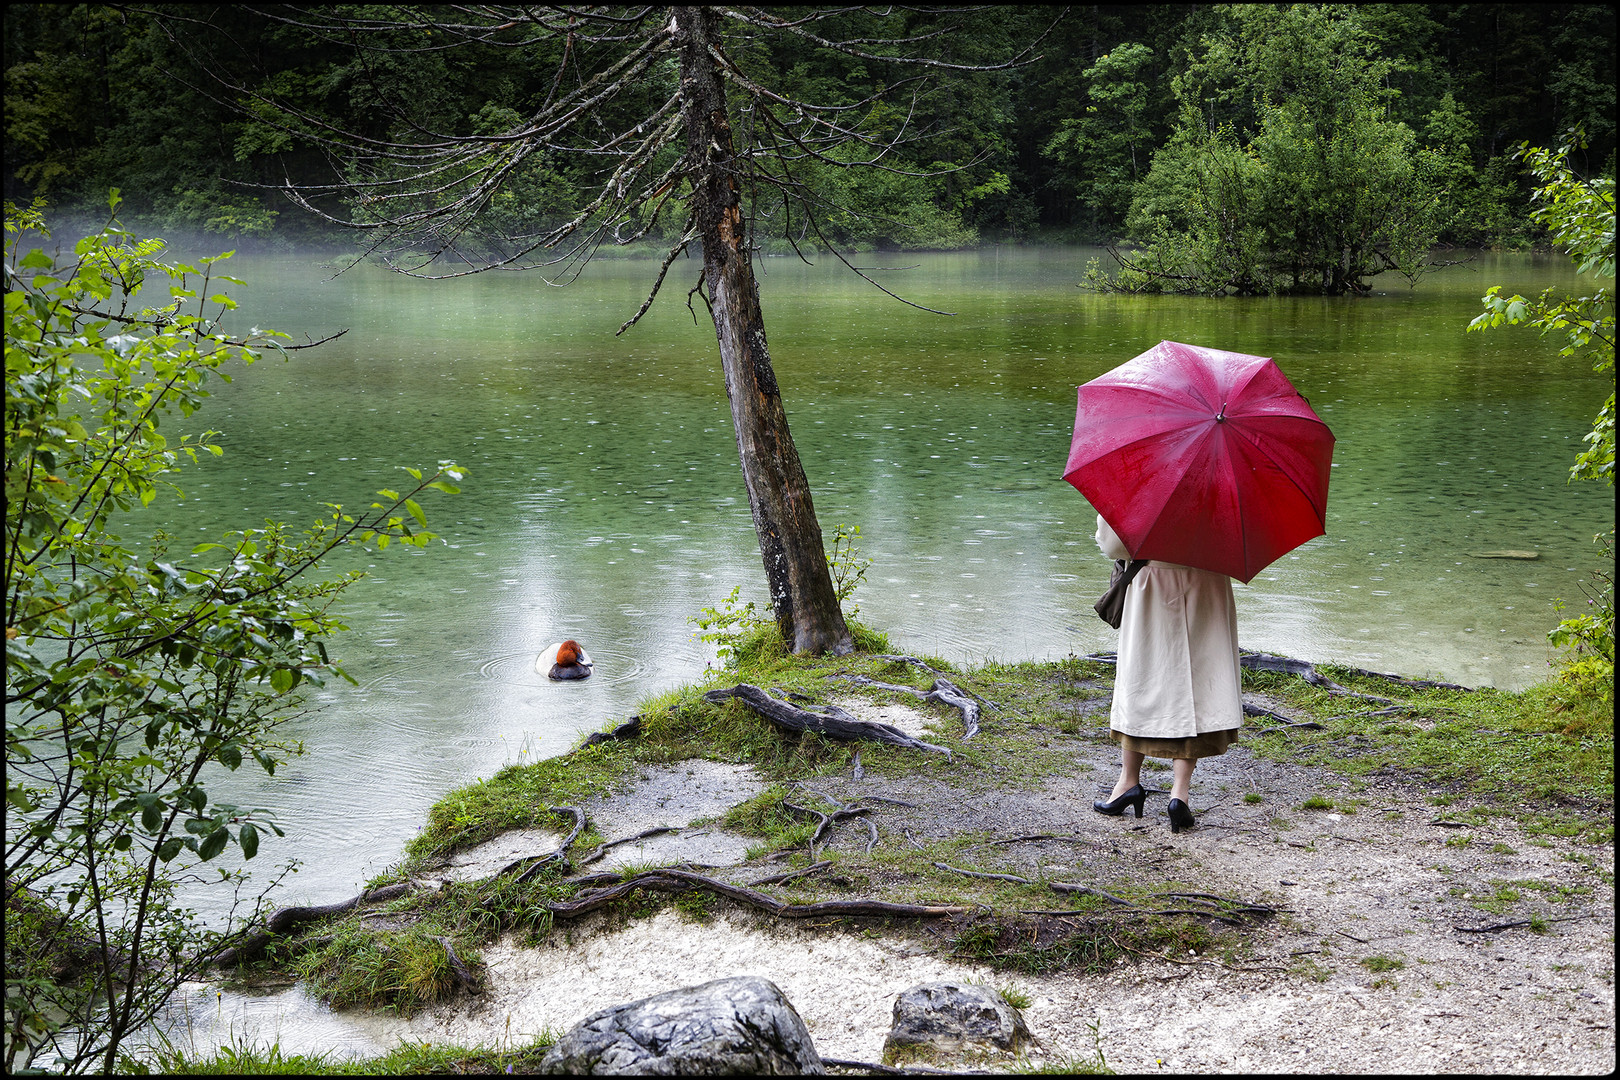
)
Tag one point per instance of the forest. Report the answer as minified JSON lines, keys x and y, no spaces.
{"x":1095,"y":124}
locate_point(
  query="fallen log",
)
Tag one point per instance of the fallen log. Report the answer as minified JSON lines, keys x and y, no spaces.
{"x":943,"y":691}
{"x":828,"y":720}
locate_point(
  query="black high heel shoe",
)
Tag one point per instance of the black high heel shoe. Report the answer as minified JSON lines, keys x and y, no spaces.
{"x":1180,"y":816}
{"x":1136,"y":794}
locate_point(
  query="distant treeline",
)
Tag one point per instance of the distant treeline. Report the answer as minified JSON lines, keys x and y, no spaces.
{"x":98,"y":97}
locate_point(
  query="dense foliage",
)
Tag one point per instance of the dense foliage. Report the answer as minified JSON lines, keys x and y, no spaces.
{"x":1579,"y":214}
{"x":133,"y":676}
{"x":1420,"y":100}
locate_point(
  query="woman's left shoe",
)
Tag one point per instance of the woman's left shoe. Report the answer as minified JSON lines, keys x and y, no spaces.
{"x":1180,"y":816}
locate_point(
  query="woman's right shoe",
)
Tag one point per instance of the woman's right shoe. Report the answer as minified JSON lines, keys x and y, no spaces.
{"x":1180,"y":816}
{"x":1136,"y":795}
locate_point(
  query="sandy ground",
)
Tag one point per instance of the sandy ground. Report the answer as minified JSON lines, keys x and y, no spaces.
{"x":1376,"y":888}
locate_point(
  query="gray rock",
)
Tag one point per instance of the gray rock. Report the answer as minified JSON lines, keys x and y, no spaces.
{"x":729,"y":1027}
{"x":953,"y":1016}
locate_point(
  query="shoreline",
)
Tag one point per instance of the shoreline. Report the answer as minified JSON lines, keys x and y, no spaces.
{"x":1355,"y":815}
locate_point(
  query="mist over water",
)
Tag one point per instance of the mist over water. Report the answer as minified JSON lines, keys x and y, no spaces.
{"x":605,"y":503}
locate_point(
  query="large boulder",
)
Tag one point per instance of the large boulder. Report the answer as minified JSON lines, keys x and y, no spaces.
{"x":729,"y":1027}
{"x":949,"y":1017}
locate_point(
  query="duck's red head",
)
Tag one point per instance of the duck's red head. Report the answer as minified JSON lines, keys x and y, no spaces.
{"x":568,"y":653}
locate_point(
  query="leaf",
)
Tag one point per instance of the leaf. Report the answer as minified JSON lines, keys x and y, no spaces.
{"x":416,"y":512}
{"x":169,"y":849}
{"x":151,"y":819}
{"x":283,"y":680}
{"x":248,"y":837}
{"x":213,"y":843}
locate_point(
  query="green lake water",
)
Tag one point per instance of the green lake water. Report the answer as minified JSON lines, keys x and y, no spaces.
{"x":605,"y":503}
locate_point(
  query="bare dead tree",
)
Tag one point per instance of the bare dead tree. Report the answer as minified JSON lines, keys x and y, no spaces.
{"x":685,"y":140}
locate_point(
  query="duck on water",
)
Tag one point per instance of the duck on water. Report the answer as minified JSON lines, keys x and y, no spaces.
{"x":565,"y":660}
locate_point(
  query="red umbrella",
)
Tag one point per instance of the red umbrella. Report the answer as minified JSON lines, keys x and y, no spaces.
{"x":1202,"y":457}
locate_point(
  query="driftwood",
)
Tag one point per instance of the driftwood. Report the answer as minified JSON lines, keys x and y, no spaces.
{"x":943,"y":691}
{"x":894,"y":658}
{"x":1255,"y":661}
{"x":671,"y":880}
{"x":828,"y":720}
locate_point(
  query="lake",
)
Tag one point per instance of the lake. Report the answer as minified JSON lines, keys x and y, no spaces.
{"x":604,"y":500}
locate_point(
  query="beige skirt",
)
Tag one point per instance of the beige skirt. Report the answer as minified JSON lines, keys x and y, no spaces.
{"x":1209,"y":744}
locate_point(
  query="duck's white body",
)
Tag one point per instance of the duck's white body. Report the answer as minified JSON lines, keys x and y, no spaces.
{"x":547,"y":662}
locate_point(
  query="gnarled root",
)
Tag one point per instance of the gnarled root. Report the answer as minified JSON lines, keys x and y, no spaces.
{"x":828,"y":720}
{"x":943,"y":691}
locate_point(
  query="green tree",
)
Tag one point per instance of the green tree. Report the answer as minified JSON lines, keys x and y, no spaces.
{"x":1107,"y":150}
{"x":1578,"y":214}
{"x":1286,"y":172}
{"x":132,"y":676}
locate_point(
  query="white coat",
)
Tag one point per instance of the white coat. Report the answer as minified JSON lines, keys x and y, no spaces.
{"x":1177,"y":674}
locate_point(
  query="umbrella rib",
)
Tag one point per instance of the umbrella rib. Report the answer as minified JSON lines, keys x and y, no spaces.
{"x":1306,"y":495}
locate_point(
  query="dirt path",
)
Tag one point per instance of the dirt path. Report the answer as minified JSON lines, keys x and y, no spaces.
{"x":1365,"y":971}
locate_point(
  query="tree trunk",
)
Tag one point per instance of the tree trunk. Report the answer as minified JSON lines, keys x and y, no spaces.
{"x":802,"y":594}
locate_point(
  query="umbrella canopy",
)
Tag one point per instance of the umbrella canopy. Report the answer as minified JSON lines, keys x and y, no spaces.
{"x":1202,"y":457}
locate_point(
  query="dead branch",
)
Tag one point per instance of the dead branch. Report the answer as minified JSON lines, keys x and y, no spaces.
{"x":1402,"y":680}
{"x":831,"y":721}
{"x":670,"y":880}
{"x":943,"y":691}
{"x":896,"y":658}
{"x":1308,"y":725}
{"x":880,"y":1070}
{"x":828,"y":820}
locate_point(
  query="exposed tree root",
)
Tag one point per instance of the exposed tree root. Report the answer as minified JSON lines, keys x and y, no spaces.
{"x":284,"y":919}
{"x":630,"y":729}
{"x":532,"y":864}
{"x":671,"y":880}
{"x":1257,"y":661}
{"x":777,"y":879}
{"x":828,"y":720}
{"x":602,"y":849}
{"x":464,"y":976}
{"x":943,"y":691}
{"x":827,"y":820}
{"x":1515,"y":923}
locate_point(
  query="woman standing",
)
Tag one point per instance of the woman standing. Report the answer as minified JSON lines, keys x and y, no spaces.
{"x":1178,"y":693}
